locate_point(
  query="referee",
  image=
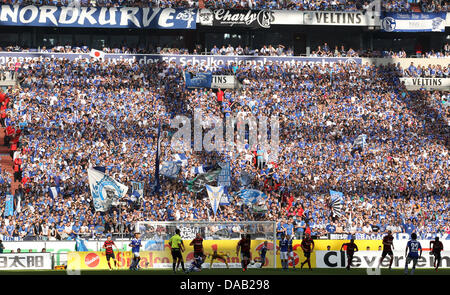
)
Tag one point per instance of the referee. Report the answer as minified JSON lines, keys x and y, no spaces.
{"x":177,"y":246}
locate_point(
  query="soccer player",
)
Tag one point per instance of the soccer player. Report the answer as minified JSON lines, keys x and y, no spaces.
{"x":306,"y":244}
{"x":177,"y":247}
{"x":262,"y":254}
{"x":284,"y":247}
{"x":108,"y":246}
{"x":351,"y":248}
{"x":135,"y":247}
{"x":291,"y":252}
{"x":413,"y":248}
{"x":244,"y":246}
{"x":388,"y":246}
{"x":198,"y":245}
{"x":436,"y":248}
{"x":218,"y":255}
{"x":196,"y":264}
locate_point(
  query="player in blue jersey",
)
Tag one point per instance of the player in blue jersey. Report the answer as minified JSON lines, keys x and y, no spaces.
{"x":284,"y":247}
{"x":262,"y":254}
{"x":135,"y":247}
{"x":196,"y":264}
{"x":412,"y":253}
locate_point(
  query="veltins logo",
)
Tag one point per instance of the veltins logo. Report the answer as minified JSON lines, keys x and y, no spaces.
{"x":388,"y":24}
{"x":92,"y":260}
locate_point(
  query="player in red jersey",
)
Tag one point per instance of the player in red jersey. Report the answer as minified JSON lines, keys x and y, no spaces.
{"x":306,"y":244}
{"x":388,"y":246}
{"x":108,"y":246}
{"x":244,"y":246}
{"x":436,"y":248}
{"x":198,"y":246}
{"x":351,"y":248}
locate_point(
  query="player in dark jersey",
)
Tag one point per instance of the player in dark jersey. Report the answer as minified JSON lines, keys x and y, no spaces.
{"x":412,"y":253}
{"x":351,"y":248}
{"x":388,"y":246}
{"x":436,"y":248}
{"x":307,"y":247}
{"x":108,"y":246}
{"x":244,"y":246}
{"x":262,"y":255}
{"x":198,"y":245}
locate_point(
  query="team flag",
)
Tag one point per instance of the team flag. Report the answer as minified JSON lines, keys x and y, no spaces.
{"x":170,"y":169}
{"x":105,"y":191}
{"x":337,"y":199}
{"x":9,"y":205}
{"x":181,"y":158}
{"x":198,"y":183}
{"x":251,"y":196}
{"x":54,"y":191}
{"x":215,"y":195}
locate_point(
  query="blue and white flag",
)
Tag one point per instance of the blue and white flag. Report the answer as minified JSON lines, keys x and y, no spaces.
{"x":198,"y":80}
{"x":137,"y":189}
{"x":251,"y":196}
{"x":215,"y":195}
{"x":414,"y":22}
{"x":170,"y":169}
{"x":360,"y":141}
{"x":201,"y":169}
{"x":224,"y":178}
{"x":54,"y":191}
{"x":181,"y":158}
{"x":9,"y":205}
{"x":337,"y":203}
{"x":80,"y":245}
{"x":105,"y":191}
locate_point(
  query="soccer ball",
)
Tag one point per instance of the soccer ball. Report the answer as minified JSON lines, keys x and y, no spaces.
{"x":252,"y":262}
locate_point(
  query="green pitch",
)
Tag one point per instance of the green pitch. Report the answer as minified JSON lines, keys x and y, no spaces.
{"x":234,"y":271}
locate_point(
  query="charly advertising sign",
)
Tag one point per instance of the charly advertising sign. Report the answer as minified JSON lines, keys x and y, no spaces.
{"x":237,"y":18}
{"x":98,"y":17}
{"x":426,"y":83}
{"x":211,"y":60}
{"x":414,"y":22}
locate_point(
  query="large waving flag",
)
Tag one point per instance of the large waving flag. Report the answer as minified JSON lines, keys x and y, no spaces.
{"x":170,"y":169}
{"x":251,"y":196}
{"x":54,"y":191}
{"x":105,"y":191}
{"x":181,"y":158}
{"x":198,"y":183}
{"x":215,"y":195}
{"x":337,"y":199}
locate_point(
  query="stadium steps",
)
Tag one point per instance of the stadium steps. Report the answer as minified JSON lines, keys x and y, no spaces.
{"x":6,"y":162}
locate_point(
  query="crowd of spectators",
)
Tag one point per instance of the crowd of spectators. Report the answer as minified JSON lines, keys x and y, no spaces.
{"x":323,"y":5}
{"x":60,"y":121}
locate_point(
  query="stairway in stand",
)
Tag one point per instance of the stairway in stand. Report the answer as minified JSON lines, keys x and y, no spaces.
{"x":6,"y":161}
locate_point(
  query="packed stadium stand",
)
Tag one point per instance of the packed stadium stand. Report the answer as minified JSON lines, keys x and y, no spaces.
{"x":62,"y":115}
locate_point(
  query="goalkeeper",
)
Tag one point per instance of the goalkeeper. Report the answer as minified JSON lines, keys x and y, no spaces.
{"x":218,"y":255}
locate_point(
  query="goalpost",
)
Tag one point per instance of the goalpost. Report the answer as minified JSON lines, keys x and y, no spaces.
{"x":219,"y":236}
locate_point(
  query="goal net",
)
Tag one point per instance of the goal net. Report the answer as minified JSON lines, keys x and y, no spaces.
{"x":219,"y":237}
